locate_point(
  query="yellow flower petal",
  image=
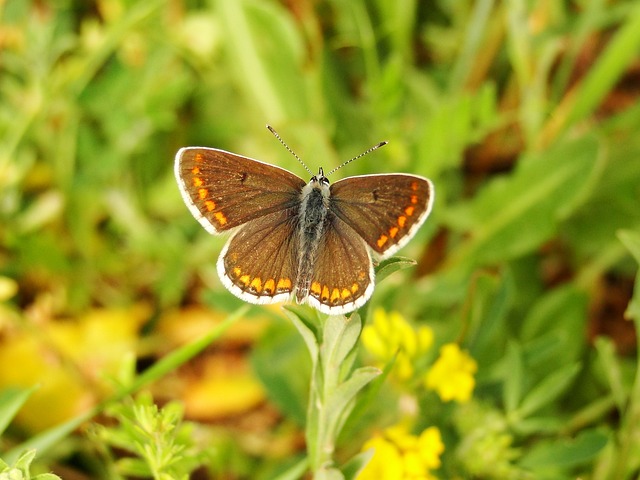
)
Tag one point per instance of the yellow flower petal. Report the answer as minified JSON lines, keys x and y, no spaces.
{"x":430,"y":447}
{"x":386,"y":463}
{"x":451,"y":376}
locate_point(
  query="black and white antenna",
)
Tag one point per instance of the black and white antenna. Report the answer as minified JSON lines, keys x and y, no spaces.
{"x":271,"y":129}
{"x":375,"y":147}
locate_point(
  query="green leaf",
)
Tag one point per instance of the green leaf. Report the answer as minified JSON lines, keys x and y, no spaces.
{"x":565,"y":453}
{"x":548,"y":390}
{"x":631,"y":240}
{"x":281,"y":362}
{"x":24,"y":462}
{"x":514,"y":379}
{"x":347,"y":390}
{"x":45,"y":440}
{"x":391,"y":265}
{"x":302,"y":324}
{"x":558,"y":315}
{"x":607,"y":70}
{"x":328,"y":474}
{"x":295,"y":472}
{"x":11,"y":400}
{"x":612,"y":370}
{"x":134,"y":467}
{"x":490,"y":303}
{"x":539,"y":425}
{"x":516,"y":213}
{"x":340,"y":336}
{"x":268,"y":53}
{"x":356,"y":464}
{"x":562,"y":303}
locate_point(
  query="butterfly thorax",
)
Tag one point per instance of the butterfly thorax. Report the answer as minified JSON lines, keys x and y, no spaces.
{"x":313,"y":213}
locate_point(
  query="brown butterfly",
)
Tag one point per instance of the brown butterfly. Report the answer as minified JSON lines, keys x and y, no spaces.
{"x":290,"y":237}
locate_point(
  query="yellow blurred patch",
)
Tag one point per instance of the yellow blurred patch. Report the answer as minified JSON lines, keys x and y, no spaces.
{"x":219,"y":383}
{"x":71,"y":361}
{"x":180,"y":327}
{"x":24,"y":362}
{"x":98,"y":341}
{"x":222,"y":397}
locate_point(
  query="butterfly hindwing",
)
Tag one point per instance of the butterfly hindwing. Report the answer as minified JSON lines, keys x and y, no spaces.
{"x":224,"y":190}
{"x":258,"y":264}
{"x":385,"y":210}
{"x":343,"y":276}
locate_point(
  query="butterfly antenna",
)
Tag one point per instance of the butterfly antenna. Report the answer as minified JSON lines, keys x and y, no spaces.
{"x":275,"y":134}
{"x":375,"y":147}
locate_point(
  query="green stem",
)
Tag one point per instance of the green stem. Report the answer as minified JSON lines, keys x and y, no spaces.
{"x":334,"y":383}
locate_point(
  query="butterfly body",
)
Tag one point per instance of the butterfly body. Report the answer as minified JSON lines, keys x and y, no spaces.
{"x":312,"y":240}
{"x":314,"y":207}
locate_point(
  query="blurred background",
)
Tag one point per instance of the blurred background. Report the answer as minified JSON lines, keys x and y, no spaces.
{"x":525,"y":116}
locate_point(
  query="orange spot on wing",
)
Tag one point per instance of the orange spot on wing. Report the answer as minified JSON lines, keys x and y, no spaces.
{"x":195,"y":170}
{"x":203,"y":193}
{"x":284,"y":284}
{"x":345,"y":294}
{"x":402,"y":220}
{"x":197,"y":182}
{"x":335,"y":295}
{"x":409,"y":210}
{"x":269,"y":286}
{"x":382,"y":240}
{"x":414,"y":199}
{"x":256,"y":284}
{"x":245,"y":279}
{"x":222,"y":220}
{"x":393,"y":231}
{"x":237,"y":271}
{"x":414,"y":186}
{"x":316,"y":289}
{"x":325,"y":293}
{"x":354,"y":288}
{"x":210,"y":204}
{"x":199,"y":158}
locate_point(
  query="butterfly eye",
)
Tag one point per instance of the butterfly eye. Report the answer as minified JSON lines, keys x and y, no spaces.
{"x":321,"y":179}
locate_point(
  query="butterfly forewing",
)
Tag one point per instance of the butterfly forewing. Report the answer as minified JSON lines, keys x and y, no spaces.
{"x":224,"y":190}
{"x":343,"y":276}
{"x":385,"y":210}
{"x":258,"y":264}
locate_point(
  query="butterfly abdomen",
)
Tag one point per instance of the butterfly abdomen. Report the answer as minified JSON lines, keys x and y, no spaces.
{"x":313,"y":211}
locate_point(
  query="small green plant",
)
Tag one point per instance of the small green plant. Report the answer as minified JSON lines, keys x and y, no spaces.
{"x":161,"y":443}
{"x":20,"y":470}
{"x":10,"y":402}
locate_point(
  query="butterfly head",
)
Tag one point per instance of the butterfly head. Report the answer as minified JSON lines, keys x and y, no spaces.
{"x":319,"y":180}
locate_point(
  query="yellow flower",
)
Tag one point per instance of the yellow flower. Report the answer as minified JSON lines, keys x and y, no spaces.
{"x":451,"y":376}
{"x":386,"y":463}
{"x":390,"y":334}
{"x":398,"y":455}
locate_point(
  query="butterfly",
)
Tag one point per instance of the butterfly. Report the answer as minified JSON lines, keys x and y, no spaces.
{"x":311,"y":240}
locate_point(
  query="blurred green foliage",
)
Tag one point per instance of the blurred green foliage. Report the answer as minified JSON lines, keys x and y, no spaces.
{"x":524,"y":114}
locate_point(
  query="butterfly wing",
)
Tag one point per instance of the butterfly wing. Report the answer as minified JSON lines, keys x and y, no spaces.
{"x":385,"y":210}
{"x":258,"y":264}
{"x":342,"y":280}
{"x":224,"y":190}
